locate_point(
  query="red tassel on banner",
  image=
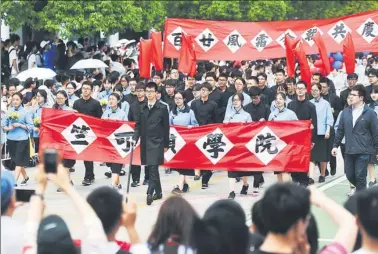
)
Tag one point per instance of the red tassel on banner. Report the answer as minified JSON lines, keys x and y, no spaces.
{"x":349,"y":54}
{"x":145,"y":53}
{"x":322,"y":52}
{"x":300,"y":54}
{"x":187,"y":60}
{"x":290,"y":59}
{"x":157,"y":51}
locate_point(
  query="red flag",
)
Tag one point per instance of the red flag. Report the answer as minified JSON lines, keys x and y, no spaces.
{"x":290,"y":59}
{"x":300,"y":54}
{"x":157,"y":51}
{"x":187,"y":61}
{"x":145,"y":52}
{"x":349,"y":54}
{"x":322,"y":52}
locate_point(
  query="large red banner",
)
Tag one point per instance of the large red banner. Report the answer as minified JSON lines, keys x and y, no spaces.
{"x":225,"y":40}
{"x":260,"y":146}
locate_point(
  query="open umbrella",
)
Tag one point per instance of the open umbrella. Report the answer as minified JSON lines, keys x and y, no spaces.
{"x":39,"y":73}
{"x":89,"y":64}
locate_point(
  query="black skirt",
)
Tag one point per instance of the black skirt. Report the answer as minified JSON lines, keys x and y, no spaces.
{"x":234,"y":174}
{"x":373,"y":159}
{"x":115,"y":167}
{"x":19,"y":152}
{"x":321,"y":152}
{"x":67,"y":163}
{"x":36,"y":145}
{"x":185,"y":172}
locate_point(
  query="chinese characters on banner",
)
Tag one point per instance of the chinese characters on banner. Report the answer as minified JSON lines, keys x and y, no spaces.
{"x":261,"y":146}
{"x":225,"y":40}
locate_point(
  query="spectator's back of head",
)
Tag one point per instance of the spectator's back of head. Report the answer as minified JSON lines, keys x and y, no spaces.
{"x":351,"y":206}
{"x":367,"y":213}
{"x":8,"y":199}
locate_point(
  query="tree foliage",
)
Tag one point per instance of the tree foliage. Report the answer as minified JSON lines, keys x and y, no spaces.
{"x":83,"y":17}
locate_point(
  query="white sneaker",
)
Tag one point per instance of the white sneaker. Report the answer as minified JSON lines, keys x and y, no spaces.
{"x":351,"y":192}
{"x":256,"y":192}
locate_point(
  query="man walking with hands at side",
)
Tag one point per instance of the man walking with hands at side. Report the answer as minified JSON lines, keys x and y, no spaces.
{"x":152,"y":127}
{"x":359,"y":125}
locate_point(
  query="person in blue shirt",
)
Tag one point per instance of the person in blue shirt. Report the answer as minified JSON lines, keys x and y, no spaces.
{"x":116,"y":113}
{"x":62,"y":104}
{"x":373,"y":159}
{"x":238,"y":115}
{"x":124,"y":82}
{"x":239,"y":86}
{"x":321,"y":151}
{"x":182,"y":115}
{"x":71,"y":88}
{"x":273,"y":106}
{"x":105,"y":94}
{"x":124,"y":105}
{"x":18,"y":130}
{"x":36,"y":114}
{"x":281,"y":113}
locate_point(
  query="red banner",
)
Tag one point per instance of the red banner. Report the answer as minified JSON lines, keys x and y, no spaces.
{"x":225,"y":40}
{"x":260,"y":146}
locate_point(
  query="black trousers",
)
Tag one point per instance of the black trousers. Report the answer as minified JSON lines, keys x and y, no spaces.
{"x":135,"y":173}
{"x":300,"y":177}
{"x":89,"y":170}
{"x":356,"y":169}
{"x":257,"y":179}
{"x":154,"y":184}
{"x":206,"y":175}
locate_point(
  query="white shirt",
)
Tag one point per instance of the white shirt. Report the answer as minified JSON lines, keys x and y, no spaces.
{"x":12,"y":236}
{"x":13,"y":56}
{"x":32,"y":61}
{"x":356,"y":113}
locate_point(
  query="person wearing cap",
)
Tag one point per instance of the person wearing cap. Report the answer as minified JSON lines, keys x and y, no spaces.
{"x":12,"y":231}
{"x":47,"y":55}
{"x":352,"y":80}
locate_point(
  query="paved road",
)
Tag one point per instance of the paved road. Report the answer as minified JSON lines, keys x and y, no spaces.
{"x":57,"y":203}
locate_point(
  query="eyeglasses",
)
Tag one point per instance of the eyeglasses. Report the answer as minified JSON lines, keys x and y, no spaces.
{"x":371,"y":76}
{"x":60,"y":98}
{"x":316,"y":90}
{"x":140,"y":91}
{"x":356,"y":95}
{"x":223,"y":80}
{"x":123,"y":80}
{"x":150,"y":91}
{"x":88,"y":89}
{"x":178,"y":99}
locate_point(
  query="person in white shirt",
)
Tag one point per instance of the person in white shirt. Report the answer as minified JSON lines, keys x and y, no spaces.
{"x":32,"y":57}
{"x":13,"y":56}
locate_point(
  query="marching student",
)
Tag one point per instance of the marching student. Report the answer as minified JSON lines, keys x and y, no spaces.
{"x":71,"y":88}
{"x":238,"y":115}
{"x":18,"y":124}
{"x":373,"y":159}
{"x":182,"y":115}
{"x":152,"y":128}
{"x":36,"y":116}
{"x":115,"y":112}
{"x":281,"y":113}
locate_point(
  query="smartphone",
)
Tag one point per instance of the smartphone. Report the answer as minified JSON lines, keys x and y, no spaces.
{"x":23,"y":195}
{"x":50,"y":158}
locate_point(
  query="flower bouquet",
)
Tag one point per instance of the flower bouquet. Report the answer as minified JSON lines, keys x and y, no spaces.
{"x":37,"y":122}
{"x":103,"y":102}
{"x":14,"y":116}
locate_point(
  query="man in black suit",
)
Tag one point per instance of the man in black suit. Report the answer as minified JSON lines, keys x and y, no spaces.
{"x":152,"y":127}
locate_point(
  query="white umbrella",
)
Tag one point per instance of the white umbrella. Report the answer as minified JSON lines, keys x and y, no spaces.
{"x":39,"y":73}
{"x":89,"y":64}
{"x":116,"y":66}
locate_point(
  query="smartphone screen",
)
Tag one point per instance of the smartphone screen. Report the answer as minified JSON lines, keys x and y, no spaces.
{"x":23,"y":195}
{"x":50,"y":158}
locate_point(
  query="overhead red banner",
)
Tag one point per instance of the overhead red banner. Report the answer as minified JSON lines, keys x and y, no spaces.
{"x":260,"y":146}
{"x":225,"y":40}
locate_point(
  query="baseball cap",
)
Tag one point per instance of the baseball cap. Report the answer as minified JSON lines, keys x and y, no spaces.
{"x":44,"y":43}
{"x":53,"y":235}
{"x":7,"y":189}
{"x":352,"y":76}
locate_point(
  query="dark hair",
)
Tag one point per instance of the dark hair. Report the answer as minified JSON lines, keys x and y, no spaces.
{"x":367,"y":210}
{"x":323,"y":80}
{"x":312,"y":235}
{"x":49,"y":83}
{"x":253,"y":78}
{"x":280,"y":71}
{"x":19,"y":95}
{"x":351,"y":206}
{"x":65,"y":78}
{"x":207,"y":86}
{"x":118,"y":97}
{"x":174,"y":109}
{"x":223,"y":75}
{"x":14,"y":38}
{"x":79,"y":78}
{"x":318,"y":74}
{"x":107,"y":204}
{"x":290,"y":201}
{"x":318,"y":86}
{"x":258,"y":218}
{"x":97,"y":83}
{"x":160,"y":89}
{"x":254,"y":91}
{"x":140,"y":85}
{"x":223,"y":230}
{"x":360,"y":89}
{"x":241,"y":79}
{"x":211,"y":75}
{"x":283,"y":95}
{"x":43,"y":93}
{"x":151,"y":85}
{"x":302,"y":82}
{"x":28,"y":82}
{"x":263,"y":75}
{"x":87,"y":83}
{"x":73,"y":84}
{"x":62,"y":92}
{"x":290,"y":80}
{"x":240,"y":95}
{"x":176,"y":217}
{"x":13,"y":82}
{"x":373,"y":72}
{"x":159,"y":74}
{"x":374,"y":89}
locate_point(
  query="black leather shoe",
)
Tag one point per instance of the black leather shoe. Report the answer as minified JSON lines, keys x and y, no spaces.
{"x":149,"y":199}
{"x":145,"y":182}
{"x":157,"y":196}
{"x":185,"y":188}
{"x":231,"y":195}
{"x":244,"y":190}
{"x":333,"y":171}
{"x":326,"y":172}
{"x":321,"y":179}
{"x":134,"y":184}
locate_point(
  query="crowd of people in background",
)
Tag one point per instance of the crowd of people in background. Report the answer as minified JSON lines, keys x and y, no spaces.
{"x":221,"y":91}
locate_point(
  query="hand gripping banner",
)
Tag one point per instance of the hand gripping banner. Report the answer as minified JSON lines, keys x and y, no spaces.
{"x":225,"y":40}
{"x":260,"y":146}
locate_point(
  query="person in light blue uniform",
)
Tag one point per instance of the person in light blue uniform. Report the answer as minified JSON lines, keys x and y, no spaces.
{"x":71,"y":88}
{"x":62,"y":104}
{"x":273,"y":106}
{"x":321,"y":151}
{"x":125,"y":106}
{"x":373,"y":158}
{"x":239,"y":86}
{"x":18,"y":130}
{"x":116,"y":113}
{"x":37,"y":113}
{"x":105,"y":94}
{"x":238,"y":115}
{"x":124,"y":81}
{"x":281,"y":113}
{"x":182,"y":115}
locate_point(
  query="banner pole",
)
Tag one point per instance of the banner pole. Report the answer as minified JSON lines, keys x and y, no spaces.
{"x":129,"y":173}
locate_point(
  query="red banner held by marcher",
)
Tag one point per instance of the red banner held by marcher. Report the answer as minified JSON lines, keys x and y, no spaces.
{"x":260,"y":146}
{"x":236,"y":41}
